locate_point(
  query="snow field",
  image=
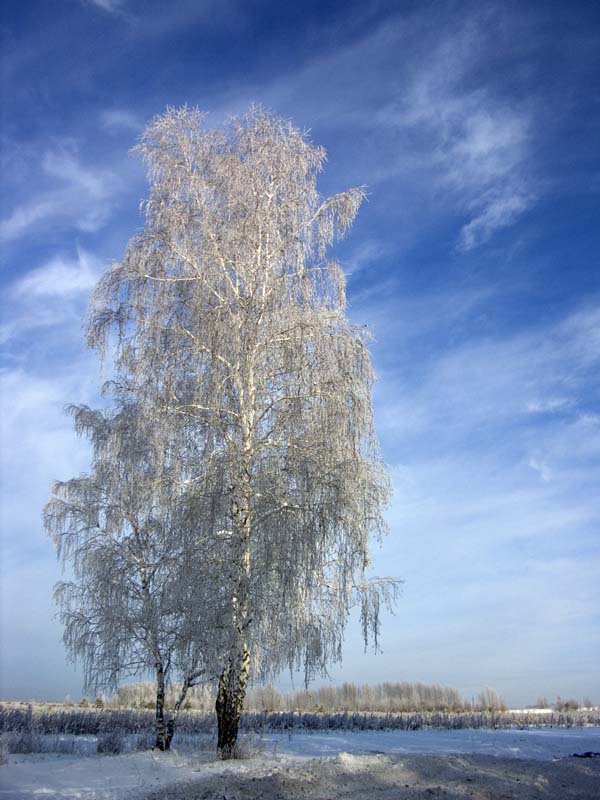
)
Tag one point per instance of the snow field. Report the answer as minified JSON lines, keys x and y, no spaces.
{"x":541,"y":744}
{"x":347,"y":764}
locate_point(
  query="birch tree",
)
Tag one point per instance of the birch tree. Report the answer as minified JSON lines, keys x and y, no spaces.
{"x":229,"y":316}
{"x":136,"y":603}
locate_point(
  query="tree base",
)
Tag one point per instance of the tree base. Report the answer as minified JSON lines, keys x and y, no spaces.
{"x":229,"y":704}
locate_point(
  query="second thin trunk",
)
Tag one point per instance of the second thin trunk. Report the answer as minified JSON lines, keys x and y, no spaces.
{"x":161,"y":735}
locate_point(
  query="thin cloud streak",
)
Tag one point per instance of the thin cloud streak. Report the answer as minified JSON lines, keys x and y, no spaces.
{"x":110,"y":6}
{"x":54,"y":297}
{"x":61,"y":277}
{"x":38,"y":442}
{"x":119,"y":120}
{"x":78,"y":196}
{"x":491,"y":379}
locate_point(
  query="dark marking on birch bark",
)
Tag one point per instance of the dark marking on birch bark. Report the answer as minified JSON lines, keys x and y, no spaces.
{"x":230,"y":702}
{"x":161,"y":737}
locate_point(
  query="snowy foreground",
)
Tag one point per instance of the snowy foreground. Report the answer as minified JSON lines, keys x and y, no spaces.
{"x":398,"y":764}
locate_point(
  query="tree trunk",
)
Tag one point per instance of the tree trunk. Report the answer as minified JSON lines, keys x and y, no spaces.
{"x":170,"y":732}
{"x":176,"y":709}
{"x":161,"y":736}
{"x":230,"y":701}
{"x":234,"y":678}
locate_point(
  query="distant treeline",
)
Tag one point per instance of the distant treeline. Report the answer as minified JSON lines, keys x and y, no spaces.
{"x":383,"y":697}
{"x":565,"y":703}
{"x":22,"y":727}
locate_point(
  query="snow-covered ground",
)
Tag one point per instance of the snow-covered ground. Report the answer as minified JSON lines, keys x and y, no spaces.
{"x":91,"y":777}
{"x":537,"y":743}
{"x":137,"y":774}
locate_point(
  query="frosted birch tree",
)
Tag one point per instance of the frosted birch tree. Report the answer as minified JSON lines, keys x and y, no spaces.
{"x":137,"y":601}
{"x":228,"y":315}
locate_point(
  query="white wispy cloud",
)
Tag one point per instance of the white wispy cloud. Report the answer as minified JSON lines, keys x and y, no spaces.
{"x":116,"y":120}
{"x":542,"y":468}
{"x":53,"y":296}
{"x":365,"y":255}
{"x":110,"y":6}
{"x":39,"y":446}
{"x":548,"y":405}
{"x":80,"y":196}
{"x":24,"y":217}
{"x":61,"y":277}
{"x":408,"y":317}
{"x":450,"y":136}
{"x":38,"y":442}
{"x":490,"y":381}
{"x":493,"y":214}
{"x":478,"y":144}
{"x":26,"y":320}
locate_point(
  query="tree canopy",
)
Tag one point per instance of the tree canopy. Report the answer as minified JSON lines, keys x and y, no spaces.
{"x":137,"y":600}
{"x":231,"y":333}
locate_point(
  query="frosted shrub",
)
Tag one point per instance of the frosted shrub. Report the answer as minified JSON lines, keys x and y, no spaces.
{"x":111,"y":742}
{"x":143,"y":741}
{"x":249,"y":746}
{"x":20,"y":742}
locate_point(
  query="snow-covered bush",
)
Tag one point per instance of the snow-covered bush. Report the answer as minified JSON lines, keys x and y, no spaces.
{"x":111,"y":742}
{"x":248,"y":746}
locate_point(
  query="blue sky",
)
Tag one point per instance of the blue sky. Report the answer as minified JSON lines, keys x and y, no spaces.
{"x":476,"y":126}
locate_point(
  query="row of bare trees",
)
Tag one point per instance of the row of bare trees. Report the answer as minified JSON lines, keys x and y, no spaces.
{"x":389,"y":697}
{"x":224,"y":528}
